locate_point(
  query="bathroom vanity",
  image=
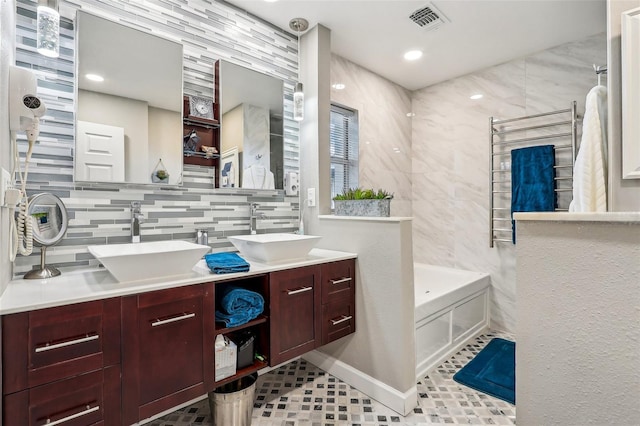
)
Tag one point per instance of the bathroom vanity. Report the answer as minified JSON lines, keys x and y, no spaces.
{"x":86,"y":349}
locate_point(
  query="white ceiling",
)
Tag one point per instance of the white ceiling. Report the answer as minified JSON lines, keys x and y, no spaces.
{"x":480,"y":33}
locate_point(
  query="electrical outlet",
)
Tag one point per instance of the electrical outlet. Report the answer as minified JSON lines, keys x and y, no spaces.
{"x":311,"y":197}
{"x":5,"y":182}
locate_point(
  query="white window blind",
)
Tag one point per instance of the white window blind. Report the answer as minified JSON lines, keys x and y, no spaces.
{"x":344,"y":149}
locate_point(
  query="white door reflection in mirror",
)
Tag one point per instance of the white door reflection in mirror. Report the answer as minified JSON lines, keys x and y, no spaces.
{"x":99,"y":152}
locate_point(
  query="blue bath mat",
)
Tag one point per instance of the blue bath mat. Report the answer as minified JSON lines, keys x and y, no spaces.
{"x":492,"y":371}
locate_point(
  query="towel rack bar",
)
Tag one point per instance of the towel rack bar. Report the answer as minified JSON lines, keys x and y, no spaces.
{"x":562,"y":210}
{"x":514,"y":141}
{"x":526,"y":117}
{"x":504,"y":240}
{"x":562,"y":134}
{"x":522,"y":129}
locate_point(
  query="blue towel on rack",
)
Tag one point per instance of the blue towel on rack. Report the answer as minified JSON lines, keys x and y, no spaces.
{"x":226,"y":263}
{"x":238,"y":306}
{"x":532,"y":181}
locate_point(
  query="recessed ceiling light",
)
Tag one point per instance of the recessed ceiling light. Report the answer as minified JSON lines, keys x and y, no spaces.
{"x":411,"y":114}
{"x":476,"y":96}
{"x":412,"y":55}
{"x":94,"y":77}
{"x":338,"y":86}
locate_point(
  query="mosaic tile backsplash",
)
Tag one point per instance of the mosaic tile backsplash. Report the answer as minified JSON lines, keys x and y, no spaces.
{"x":99,"y":213}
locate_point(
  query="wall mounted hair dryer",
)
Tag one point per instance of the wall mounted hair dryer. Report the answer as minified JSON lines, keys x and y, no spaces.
{"x":25,"y":110}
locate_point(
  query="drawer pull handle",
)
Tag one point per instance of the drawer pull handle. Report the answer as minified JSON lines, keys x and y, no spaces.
{"x":49,"y":347}
{"x":341,"y":280}
{"x":89,"y":410}
{"x":174,"y":319}
{"x":343,"y":319}
{"x":300,"y":290}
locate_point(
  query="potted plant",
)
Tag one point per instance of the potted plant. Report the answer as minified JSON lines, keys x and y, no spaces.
{"x":363,"y":202}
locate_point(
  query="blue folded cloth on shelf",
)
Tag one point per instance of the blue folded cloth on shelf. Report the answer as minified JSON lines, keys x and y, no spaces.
{"x":238,"y":306}
{"x":532,"y":180}
{"x":226,"y":263}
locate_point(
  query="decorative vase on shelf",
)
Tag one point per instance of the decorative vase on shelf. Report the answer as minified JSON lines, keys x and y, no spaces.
{"x":160,"y":173}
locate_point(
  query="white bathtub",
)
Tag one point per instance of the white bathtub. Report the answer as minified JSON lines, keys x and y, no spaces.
{"x":451,"y":308}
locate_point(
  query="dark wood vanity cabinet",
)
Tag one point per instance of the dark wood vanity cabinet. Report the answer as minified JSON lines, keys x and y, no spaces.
{"x":62,"y":364}
{"x":122,"y":360}
{"x":167,"y":356}
{"x":295,"y":310}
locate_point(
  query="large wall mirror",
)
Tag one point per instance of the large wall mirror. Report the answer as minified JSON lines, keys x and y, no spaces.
{"x":631,"y":94}
{"x":251,"y":128}
{"x":128,"y":105}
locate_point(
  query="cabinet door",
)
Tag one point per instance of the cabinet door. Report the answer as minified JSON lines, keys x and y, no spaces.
{"x":163,"y":357}
{"x":55,"y":343}
{"x":295,"y":311}
{"x":88,"y":399}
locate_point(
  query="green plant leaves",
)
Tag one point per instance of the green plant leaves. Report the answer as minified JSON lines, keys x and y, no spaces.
{"x":363,"y":194}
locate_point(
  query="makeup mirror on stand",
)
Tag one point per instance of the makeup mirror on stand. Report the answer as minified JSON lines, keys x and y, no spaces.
{"x":49,"y":221}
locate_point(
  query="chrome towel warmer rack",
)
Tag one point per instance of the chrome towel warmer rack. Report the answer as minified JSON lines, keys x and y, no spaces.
{"x":556,"y":127}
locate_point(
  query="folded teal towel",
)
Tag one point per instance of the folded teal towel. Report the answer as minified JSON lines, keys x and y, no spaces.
{"x":238,"y":305}
{"x":226,"y":263}
{"x":532,"y":180}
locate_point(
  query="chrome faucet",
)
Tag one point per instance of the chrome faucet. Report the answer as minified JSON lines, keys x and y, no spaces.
{"x":136,"y":219}
{"x":254,"y":216}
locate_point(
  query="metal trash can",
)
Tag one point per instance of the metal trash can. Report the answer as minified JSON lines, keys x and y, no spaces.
{"x":232,"y":404}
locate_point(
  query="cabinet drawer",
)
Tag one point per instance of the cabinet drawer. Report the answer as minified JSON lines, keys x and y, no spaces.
{"x":55,"y":343}
{"x":87,"y":399}
{"x":338,"y":280}
{"x":338,"y":320}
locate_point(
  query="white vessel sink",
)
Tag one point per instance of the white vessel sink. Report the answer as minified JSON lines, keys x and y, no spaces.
{"x":274,"y":247}
{"x":154,"y":259}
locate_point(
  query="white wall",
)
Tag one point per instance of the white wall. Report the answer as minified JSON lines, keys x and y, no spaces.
{"x":384,"y":129}
{"x":450,"y":151}
{"x":379,"y":359}
{"x":163,"y":122}
{"x":578,"y":347}
{"x":7,"y":31}
{"x":624,"y":194}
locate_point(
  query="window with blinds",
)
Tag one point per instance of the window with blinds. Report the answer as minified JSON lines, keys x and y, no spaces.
{"x":344,"y":149}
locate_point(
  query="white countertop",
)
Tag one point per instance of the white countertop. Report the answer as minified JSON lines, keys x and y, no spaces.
{"x":94,"y":284}
{"x":611,"y":217}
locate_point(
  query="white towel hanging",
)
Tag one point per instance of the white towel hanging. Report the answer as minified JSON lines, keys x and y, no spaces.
{"x":590,"y":169}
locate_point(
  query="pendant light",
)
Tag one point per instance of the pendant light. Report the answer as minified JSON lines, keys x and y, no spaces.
{"x":298,"y":25}
{"x":48,"y":23}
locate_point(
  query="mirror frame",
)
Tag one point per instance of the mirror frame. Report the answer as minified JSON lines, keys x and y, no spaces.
{"x":630,"y":51}
{"x":33,"y":202}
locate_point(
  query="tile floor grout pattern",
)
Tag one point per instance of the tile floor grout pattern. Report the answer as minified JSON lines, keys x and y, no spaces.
{"x":299,"y":393}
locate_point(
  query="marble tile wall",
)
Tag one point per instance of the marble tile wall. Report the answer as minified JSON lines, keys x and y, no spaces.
{"x":99,"y":214}
{"x":385,"y":129}
{"x":450,"y":157}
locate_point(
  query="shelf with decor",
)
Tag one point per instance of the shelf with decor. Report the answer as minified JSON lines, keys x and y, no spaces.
{"x":201,"y":132}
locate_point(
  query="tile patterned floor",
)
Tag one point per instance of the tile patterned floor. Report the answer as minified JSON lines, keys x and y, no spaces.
{"x":300,"y":394}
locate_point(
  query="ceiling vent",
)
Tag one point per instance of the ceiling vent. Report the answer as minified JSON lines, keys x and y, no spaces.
{"x":428,"y":17}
